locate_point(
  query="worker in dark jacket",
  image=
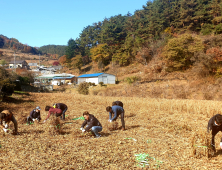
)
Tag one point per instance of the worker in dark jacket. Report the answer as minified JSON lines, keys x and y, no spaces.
{"x":116,"y":110}
{"x":92,"y":123}
{"x":118,"y":103}
{"x":63,"y":107}
{"x":215,"y":125}
{"x":6,"y":117}
{"x":34,"y":115}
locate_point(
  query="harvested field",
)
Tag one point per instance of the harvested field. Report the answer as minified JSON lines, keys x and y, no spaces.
{"x":163,"y":129}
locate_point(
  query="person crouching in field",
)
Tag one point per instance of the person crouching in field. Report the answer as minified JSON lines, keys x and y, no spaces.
{"x":6,"y":117}
{"x":63,"y":107}
{"x":118,"y":103}
{"x":57,"y":112}
{"x":34,"y":115}
{"x":92,"y":123}
{"x":116,"y":110}
{"x":215,"y":124}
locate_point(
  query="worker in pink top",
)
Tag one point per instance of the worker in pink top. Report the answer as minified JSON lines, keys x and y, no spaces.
{"x":57,"y":112}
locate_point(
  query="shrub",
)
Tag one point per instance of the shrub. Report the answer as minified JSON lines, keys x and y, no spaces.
{"x":179,"y":51}
{"x":91,"y":84}
{"x":132,"y":79}
{"x":101,"y":84}
{"x":206,"y":29}
{"x":83,"y":88}
{"x":218,"y":29}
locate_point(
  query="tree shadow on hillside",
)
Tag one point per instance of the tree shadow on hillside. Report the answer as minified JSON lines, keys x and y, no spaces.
{"x":21,"y":93}
{"x":87,"y":69}
{"x":8,"y":99}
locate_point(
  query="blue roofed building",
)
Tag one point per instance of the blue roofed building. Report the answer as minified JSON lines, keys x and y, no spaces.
{"x":56,"y":79}
{"x":97,"y":77}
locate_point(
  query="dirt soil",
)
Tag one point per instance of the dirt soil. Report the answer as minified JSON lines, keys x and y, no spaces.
{"x":162,"y":128}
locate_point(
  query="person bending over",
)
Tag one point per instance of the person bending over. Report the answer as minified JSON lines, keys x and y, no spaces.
{"x":6,"y":117}
{"x":215,"y":125}
{"x":118,"y":103}
{"x":63,"y":107}
{"x":92,"y":123}
{"x":116,"y":111}
{"x":55,"y":111}
{"x":34,"y":115}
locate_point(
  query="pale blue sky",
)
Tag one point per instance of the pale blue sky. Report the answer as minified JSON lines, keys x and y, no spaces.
{"x":45,"y":22}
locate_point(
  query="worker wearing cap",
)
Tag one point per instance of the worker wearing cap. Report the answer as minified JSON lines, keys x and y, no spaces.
{"x":215,"y":125}
{"x":6,"y":117}
{"x":34,"y":115}
{"x":63,"y":107}
{"x":116,"y":111}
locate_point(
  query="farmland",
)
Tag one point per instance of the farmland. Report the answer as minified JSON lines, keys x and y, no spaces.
{"x":161,"y":128}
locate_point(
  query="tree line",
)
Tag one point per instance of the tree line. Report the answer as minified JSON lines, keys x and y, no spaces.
{"x":121,"y":39}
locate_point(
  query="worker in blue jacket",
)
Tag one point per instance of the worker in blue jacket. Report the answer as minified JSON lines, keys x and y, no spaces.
{"x":116,"y":111}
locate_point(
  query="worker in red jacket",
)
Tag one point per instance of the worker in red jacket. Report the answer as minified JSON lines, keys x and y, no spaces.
{"x":55,"y":111}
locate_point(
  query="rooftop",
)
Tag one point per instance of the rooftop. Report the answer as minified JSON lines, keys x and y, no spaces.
{"x":90,"y":75}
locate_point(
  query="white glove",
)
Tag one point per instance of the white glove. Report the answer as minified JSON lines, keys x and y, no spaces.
{"x":33,"y":120}
{"x":220,"y":145}
{"x":44,"y":121}
{"x":110,"y":120}
{"x":6,"y":126}
{"x":37,"y":119}
{"x":81,"y":128}
{"x":5,"y":130}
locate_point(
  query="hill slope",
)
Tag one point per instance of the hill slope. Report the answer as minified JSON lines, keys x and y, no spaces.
{"x":161,"y":128}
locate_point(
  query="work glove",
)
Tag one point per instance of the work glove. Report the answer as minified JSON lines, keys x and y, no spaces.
{"x":81,"y":128}
{"x":6,"y":126}
{"x":110,"y":120}
{"x":33,"y":120}
{"x":5,"y":130}
{"x":37,"y":119}
{"x":44,"y":121}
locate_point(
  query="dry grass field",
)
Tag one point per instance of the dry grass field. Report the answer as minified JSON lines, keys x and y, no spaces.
{"x":171,"y":132}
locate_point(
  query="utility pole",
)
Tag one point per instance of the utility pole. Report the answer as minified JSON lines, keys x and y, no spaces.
{"x":39,"y":60}
{"x":14,"y":63}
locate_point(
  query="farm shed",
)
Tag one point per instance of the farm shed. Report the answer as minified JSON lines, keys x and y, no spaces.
{"x":97,"y":77}
{"x":57,"y":79}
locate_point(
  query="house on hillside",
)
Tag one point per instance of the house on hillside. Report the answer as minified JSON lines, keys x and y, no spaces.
{"x":97,"y":77}
{"x":56,"y":79}
{"x":33,"y":65}
{"x":18,"y":64}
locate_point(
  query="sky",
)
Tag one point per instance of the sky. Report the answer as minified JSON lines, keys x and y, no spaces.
{"x":47,"y":22}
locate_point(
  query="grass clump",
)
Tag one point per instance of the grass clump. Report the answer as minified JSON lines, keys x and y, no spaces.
{"x":83,"y":88}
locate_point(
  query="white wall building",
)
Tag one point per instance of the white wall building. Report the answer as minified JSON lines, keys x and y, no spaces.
{"x":97,"y":77}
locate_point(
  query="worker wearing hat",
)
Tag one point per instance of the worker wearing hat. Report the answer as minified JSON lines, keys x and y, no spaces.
{"x":34,"y":115}
{"x":215,"y":125}
{"x":63,"y":107}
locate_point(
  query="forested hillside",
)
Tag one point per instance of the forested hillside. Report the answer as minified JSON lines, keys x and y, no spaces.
{"x":53,"y":49}
{"x":154,"y":31}
{"x":13,"y":43}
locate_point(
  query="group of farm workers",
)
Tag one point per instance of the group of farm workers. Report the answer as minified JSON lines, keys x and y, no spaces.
{"x":58,"y":109}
